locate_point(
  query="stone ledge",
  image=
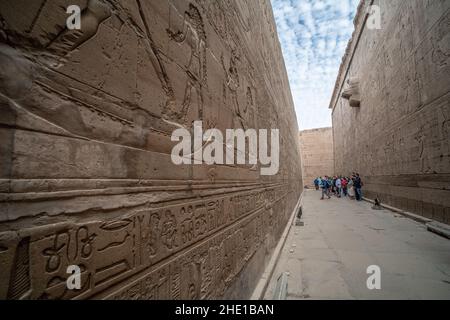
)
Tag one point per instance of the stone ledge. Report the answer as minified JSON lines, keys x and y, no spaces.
{"x":410,"y":215}
{"x":432,"y":226}
{"x":261,"y":287}
{"x":439,"y":228}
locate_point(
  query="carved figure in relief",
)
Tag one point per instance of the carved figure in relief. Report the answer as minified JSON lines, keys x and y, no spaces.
{"x":169,"y":230}
{"x":150,"y":233}
{"x":193,"y":278}
{"x":232,"y":85}
{"x":201,"y":225}
{"x":441,"y":48}
{"x":194,"y":36}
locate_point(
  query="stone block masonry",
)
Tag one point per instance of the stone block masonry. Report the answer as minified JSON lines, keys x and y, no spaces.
{"x":86,"y":176}
{"x":316,"y":149}
{"x":398,"y":138}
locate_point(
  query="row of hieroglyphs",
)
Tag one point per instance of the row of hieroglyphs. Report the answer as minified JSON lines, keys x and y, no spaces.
{"x":208,"y":269}
{"x":110,"y":251}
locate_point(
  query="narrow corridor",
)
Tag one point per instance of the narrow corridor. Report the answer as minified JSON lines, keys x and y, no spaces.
{"x":327,"y":258}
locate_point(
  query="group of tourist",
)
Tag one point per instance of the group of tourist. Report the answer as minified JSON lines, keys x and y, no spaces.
{"x":340,"y":186}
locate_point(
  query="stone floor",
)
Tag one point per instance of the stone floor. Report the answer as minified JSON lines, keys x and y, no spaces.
{"x":327,"y":258}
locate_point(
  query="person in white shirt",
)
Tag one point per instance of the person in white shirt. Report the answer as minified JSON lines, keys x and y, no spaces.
{"x":338,"y":187}
{"x":350,"y":189}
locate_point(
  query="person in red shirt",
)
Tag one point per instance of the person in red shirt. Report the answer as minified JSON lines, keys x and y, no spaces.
{"x":344,"y":183}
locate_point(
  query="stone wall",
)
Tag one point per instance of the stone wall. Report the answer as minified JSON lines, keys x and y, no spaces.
{"x":316,"y":150}
{"x":86,"y":175}
{"x":398,"y":139}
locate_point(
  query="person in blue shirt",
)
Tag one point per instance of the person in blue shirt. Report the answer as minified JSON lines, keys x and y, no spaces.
{"x":316,"y":183}
{"x":357,"y":184}
{"x":325,"y":185}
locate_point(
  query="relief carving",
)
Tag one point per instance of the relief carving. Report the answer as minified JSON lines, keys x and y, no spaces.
{"x":192,"y":35}
{"x":90,"y":181}
{"x":108,"y":251}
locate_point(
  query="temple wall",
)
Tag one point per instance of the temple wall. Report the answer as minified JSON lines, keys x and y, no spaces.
{"x":399,"y":137}
{"x":85,"y":140}
{"x":317,"y":154}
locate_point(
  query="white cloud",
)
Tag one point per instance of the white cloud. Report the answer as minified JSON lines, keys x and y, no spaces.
{"x":313,"y":36}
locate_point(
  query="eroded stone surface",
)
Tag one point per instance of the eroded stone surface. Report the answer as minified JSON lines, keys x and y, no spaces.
{"x":86,"y":174}
{"x":399,"y":137}
{"x":316,"y":149}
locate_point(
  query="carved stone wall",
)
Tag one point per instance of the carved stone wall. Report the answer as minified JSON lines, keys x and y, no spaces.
{"x":316,"y":149}
{"x":86,"y":173}
{"x":398,"y":139}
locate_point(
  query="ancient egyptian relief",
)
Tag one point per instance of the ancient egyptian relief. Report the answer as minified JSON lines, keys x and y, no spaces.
{"x":90,"y":181}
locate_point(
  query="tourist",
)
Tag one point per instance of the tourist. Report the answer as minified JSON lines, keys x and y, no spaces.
{"x":357,"y":184}
{"x":316,"y":183}
{"x":333,"y":185}
{"x":338,"y":187}
{"x":325,"y":188}
{"x":330,"y":185}
{"x":350,"y":189}
{"x":344,"y":182}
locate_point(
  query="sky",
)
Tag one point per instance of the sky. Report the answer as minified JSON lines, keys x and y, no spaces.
{"x":313,"y":36}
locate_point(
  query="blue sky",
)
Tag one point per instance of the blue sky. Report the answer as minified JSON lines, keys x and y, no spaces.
{"x":313,"y":36}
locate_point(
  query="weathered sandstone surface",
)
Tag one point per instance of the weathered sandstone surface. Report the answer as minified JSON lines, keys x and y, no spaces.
{"x":393,"y":123}
{"x":316,"y":149}
{"x":86,"y":176}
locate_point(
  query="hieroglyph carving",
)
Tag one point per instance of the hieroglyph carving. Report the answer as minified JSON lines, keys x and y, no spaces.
{"x":110,"y":251}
